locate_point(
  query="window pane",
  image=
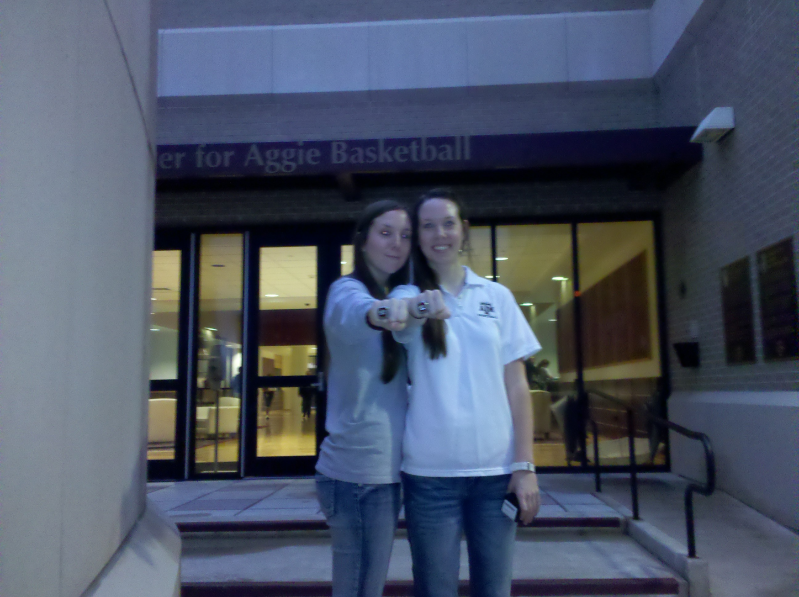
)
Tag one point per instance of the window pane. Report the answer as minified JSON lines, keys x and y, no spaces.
{"x":219,"y":353}
{"x":535,"y":263}
{"x":479,"y":251}
{"x":287,"y":346}
{"x":286,"y":421}
{"x":347,"y":260}
{"x":161,"y":425}
{"x":287,"y":317}
{"x":621,"y":345}
{"x":164,"y":310}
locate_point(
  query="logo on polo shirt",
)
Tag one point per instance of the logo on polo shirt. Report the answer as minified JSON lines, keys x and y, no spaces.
{"x":487,"y":310}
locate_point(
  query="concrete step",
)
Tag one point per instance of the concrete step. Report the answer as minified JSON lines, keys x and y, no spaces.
{"x":233,"y":526}
{"x":396,"y":589}
{"x":547,"y":561}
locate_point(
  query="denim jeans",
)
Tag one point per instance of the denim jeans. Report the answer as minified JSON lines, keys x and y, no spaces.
{"x":363,"y":522}
{"x":439,"y":511}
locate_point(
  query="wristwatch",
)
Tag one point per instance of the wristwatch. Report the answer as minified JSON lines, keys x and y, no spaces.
{"x":522,"y":466}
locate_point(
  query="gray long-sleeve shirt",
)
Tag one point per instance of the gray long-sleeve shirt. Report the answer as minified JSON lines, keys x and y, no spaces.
{"x":365,"y":417}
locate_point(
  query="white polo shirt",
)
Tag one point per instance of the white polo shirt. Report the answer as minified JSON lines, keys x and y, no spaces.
{"x":459,"y":420}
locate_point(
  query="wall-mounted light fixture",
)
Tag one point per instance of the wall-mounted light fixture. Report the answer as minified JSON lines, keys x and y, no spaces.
{"x":715,"y":125}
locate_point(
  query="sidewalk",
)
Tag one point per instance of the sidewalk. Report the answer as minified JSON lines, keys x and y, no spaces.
{"x":295,"y":499}
{"x":748,"y":554}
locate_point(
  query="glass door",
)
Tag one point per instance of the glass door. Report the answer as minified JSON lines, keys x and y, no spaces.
{"x":166,"y":425}
{"x":218,"y":348}
{"x":285,"y":413}
{"x":535,"y":262}
{"x":620,"y":337}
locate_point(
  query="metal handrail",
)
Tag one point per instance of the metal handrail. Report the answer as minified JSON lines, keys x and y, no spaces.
{"x":710,"y":462}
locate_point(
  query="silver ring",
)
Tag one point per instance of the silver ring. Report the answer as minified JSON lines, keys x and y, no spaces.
{"x":421,"y":307}
{"x":382,"y":312}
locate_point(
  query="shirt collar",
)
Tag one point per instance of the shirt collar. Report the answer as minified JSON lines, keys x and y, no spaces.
{"x":473,"y":279}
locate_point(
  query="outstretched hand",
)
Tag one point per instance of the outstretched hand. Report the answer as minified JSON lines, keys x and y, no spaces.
{"x":390,"y":314}
{"x":429,"y":304}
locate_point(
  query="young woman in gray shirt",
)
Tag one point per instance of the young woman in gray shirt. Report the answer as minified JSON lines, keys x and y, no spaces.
{"x":357,"y":477}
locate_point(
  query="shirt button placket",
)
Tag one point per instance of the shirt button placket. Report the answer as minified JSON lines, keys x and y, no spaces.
{"x":460,"y":299}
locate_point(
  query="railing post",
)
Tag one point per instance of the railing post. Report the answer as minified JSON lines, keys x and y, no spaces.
{"x":689,"y":521}
{"x":710,"y":464}
{"x":633,"y":475}
{"x":596,"y":455}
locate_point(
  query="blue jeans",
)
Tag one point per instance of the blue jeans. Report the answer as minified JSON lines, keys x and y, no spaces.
{"x":439,"y":511}
{"x":363,"y":522}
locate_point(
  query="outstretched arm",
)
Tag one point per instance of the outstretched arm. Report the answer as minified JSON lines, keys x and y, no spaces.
{"x":390,"y":314}
{"x":426,"y":305}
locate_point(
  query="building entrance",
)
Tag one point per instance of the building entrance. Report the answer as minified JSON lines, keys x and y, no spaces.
{"x":236,"y":374}
{"x":238,"y":354}
{"x":291,"y":274}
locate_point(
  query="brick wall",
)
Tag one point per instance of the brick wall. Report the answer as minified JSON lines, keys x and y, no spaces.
{"x":482,"y":201}
{"x":743,"y":196}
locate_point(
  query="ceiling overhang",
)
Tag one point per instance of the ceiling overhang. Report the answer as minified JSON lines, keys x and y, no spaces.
{"x":664,"y":148}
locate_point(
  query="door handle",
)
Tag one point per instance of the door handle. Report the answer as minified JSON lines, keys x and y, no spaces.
{"x":319,"y":384}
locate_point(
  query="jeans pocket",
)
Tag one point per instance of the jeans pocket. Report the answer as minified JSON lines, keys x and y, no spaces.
{"x":326,"y":494}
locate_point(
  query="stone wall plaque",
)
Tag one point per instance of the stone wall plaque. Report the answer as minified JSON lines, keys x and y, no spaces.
{"x":776,"y":274}
{"x":736,"y":300}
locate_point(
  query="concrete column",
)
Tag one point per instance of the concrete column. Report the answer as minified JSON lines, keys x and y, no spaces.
{"x":76,"y":207}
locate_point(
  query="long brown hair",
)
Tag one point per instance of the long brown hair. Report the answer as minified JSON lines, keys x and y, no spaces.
{"x":434,"y":331}
{"x":392,"y":351}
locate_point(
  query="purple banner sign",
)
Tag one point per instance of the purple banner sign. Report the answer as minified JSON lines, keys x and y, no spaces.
{"x":594,"y":148}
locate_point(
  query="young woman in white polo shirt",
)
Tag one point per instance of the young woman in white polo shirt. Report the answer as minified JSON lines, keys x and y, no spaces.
{"x":358,"y":468}
{"x":468,"y":434}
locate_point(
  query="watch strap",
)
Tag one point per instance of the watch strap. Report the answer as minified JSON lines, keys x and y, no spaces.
{"x":522,"y":466}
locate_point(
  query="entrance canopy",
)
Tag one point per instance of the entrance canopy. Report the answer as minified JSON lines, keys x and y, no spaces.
{"x":666,"y":149}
